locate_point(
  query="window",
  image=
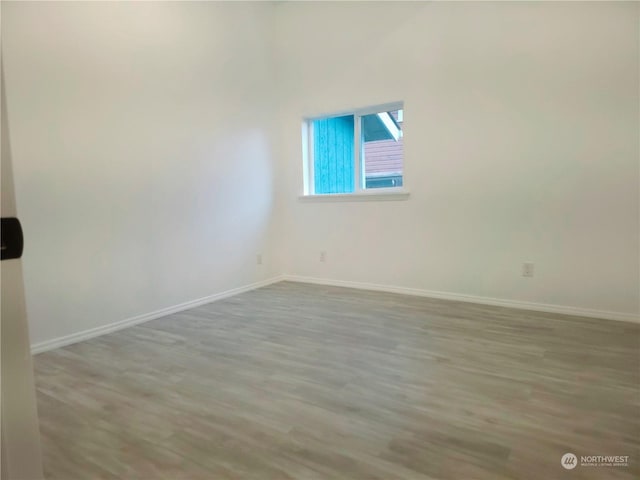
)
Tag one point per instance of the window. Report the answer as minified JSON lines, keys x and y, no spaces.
{"x":356,"y":151}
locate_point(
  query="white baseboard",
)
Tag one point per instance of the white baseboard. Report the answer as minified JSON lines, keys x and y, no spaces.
{"x":129,"y":322}
{"x":539,"y":307}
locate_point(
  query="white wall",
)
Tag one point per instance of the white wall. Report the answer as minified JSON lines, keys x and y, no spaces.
{"x":141,"y":146}
{"x":143,"y":143}
{"x":521,"y":144}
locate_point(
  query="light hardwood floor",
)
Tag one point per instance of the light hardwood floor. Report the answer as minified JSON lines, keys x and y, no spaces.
{"x":311,"y":382}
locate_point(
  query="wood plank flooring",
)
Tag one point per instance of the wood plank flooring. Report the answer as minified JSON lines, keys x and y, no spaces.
{"x":296,"y":381}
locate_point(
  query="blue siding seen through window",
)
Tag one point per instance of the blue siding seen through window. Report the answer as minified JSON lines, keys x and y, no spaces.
{"x":333,"y":155}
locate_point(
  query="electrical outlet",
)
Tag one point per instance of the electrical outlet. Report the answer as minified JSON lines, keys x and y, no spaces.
{"x":259,"y":259}
{"x":323,"y":256}
{"x":527,"y":269}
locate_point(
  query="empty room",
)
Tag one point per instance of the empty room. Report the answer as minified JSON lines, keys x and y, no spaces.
{"x":320,"y":240}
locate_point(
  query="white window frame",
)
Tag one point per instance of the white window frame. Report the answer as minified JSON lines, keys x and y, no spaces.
{"x":360,"y":191}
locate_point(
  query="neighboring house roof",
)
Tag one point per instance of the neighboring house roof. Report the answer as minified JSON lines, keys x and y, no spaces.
{"x":380,"y":126}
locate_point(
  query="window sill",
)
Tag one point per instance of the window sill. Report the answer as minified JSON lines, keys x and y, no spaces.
{"x":365,"y":196}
